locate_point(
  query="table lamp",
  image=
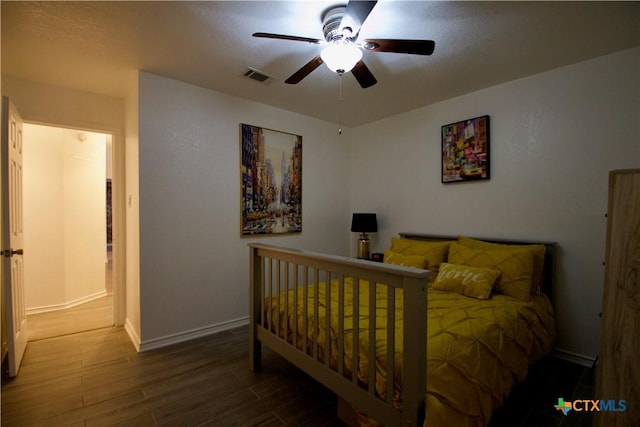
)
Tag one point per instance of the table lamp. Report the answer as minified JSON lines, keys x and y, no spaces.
{"x":364,"y":223}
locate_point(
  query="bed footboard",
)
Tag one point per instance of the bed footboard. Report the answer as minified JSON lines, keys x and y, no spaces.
{"x":316,"y":341}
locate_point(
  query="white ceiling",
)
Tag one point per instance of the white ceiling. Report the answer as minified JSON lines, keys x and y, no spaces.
{"x":96,"y":46}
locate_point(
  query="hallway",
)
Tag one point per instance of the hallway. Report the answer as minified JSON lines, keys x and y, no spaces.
{"x":83,"y":317}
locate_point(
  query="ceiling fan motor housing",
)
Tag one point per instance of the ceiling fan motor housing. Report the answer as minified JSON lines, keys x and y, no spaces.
{"x":331,"y":25}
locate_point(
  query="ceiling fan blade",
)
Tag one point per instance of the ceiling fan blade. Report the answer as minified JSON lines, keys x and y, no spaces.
{"x":304,"y":71}
{"x":363,"y":75}
{"x":285,"y":37}
{"x":355,"y":15}
{"x":415,"y":47}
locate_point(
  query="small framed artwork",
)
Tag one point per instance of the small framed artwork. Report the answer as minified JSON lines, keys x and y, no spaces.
{"x":465,"y":150}
{"x":271,"y":178}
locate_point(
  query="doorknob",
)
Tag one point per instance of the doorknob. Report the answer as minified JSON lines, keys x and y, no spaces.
{"x":11,"y":252}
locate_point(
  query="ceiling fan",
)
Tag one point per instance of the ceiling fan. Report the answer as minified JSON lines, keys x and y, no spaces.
{"x":341,"y":26}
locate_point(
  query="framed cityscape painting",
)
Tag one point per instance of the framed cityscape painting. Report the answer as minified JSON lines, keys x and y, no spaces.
{"x":465,"y":150}
{"x":271,"y":174}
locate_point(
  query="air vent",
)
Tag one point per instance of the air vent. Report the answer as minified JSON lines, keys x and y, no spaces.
{"x":256,"y":75}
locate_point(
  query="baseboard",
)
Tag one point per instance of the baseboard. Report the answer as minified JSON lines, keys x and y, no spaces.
{"x":66,"y":305}
{"x":191,"y":334}
{"x":569,"y":356}
{"x":133,"y":335}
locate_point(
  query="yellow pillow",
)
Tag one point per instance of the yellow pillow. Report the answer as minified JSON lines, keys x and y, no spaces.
{"x":416,"y":261}
{"x":473,"y":282}
{"x":516,"y":268}
{"x":537,"y":251}
{"x":433,"y":252}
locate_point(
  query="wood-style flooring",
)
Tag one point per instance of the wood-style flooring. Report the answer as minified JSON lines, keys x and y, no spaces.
{"x":96,"y":378}
{"x":84,"y":317}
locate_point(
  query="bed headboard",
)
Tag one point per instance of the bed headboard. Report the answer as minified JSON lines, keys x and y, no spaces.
{"x":549,"y":255}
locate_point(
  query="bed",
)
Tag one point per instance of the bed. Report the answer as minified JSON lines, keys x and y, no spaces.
{"x":477,"y":311}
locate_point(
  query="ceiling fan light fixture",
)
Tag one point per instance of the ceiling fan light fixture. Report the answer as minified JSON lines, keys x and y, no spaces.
{"x":341,"y":56}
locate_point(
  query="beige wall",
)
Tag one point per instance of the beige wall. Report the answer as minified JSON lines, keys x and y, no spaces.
{"x":193,"y":263}
{"x":64,"y":217}
{"x":46,"y":104}
{"x":43,"y":219}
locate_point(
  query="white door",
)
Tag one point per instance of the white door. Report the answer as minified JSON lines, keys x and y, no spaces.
{"x":12,"y":234}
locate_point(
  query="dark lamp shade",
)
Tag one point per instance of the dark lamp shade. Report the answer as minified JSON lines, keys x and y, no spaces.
{"x":364,"y":223}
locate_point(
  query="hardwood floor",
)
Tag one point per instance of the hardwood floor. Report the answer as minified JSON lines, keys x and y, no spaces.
{"x":84,"y":317}
{"x":96,"y":378}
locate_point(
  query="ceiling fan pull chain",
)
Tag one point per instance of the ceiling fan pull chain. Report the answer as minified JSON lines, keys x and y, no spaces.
{"x":340,"y":105}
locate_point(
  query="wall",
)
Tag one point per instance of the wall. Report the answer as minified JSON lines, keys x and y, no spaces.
{"x":65,"y":217}
{"x":554,"y":138}
{"x":109,"y":159}
{"x":45,"y":104}
{"x":43,"y":219}
{"x":193,"y":262}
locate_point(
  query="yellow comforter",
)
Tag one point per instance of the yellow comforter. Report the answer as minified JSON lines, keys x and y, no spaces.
{"x":477,"y":350}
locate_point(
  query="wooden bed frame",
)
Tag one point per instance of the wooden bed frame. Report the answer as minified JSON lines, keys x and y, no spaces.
{"x":274,"y":269}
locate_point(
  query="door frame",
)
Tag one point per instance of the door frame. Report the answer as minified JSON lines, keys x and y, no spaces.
{"x":118,"y":211}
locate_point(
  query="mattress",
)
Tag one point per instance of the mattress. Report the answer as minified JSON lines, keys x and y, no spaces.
{"x":477,"y":350}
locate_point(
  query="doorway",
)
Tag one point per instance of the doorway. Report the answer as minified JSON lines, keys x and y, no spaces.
{"x":68,"y":270}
